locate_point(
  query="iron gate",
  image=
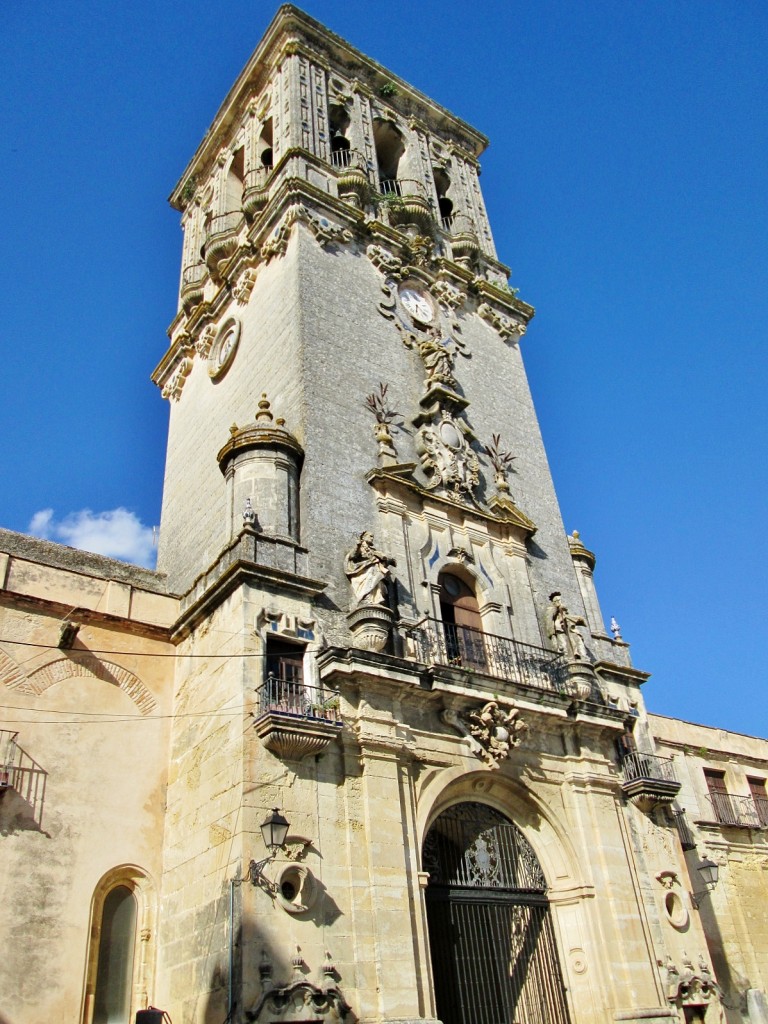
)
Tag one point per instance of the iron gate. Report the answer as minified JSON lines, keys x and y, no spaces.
{"x":494,"y":957}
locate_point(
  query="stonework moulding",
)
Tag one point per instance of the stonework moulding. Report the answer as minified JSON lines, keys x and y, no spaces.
{"x":241,"y":292}
{"x":505,"y":326}
{"x":175,"y":384}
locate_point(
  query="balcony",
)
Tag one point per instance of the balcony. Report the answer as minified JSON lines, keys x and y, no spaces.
{"x":649,"y":780}
{"x":193,"y":285}
{"x":255,"y":190}
{"x":406,"y":202}
{"x":739,"y":811}
{"x":294,"y":719}
{"x":221,"y":239}
{"x":443,"y":643}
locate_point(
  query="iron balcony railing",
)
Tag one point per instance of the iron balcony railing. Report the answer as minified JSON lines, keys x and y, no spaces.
{"x":402,"y":187}
{"x":296,"y":698}
{"x":637,"y":765}
{"x":744,"y":811}
{"x":444,"y":643}
{"x":687,"y":840}
{"x":9,"y":758}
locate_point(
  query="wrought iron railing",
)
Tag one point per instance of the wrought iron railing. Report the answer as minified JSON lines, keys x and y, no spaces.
{"x":687,"y":840}
{"x":637,"y":765}
{"x":343,"y":157}
{"x":296,"y":698}
{"x":744,"y":811}
{"x":9,"y":758}
{"x":402,"y":187}
{"x":444,"y":643}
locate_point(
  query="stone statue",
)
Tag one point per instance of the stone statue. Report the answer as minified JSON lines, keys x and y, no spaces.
{"x":367,"y":571}
{"x":561,"y":629}
{"x":438,"y":360}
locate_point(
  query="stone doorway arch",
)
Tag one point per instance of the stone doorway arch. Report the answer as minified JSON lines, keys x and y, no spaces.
{"x":494,"y":956}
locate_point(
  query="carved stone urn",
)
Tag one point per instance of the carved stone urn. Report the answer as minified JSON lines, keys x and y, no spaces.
{"x":371,"y":625}
{"x":580,"y":679}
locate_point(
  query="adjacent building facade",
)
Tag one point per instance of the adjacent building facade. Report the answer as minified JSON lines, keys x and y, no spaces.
{"x":369,"y":626}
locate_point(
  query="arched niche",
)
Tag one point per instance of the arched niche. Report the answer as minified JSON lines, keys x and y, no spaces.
{"x":121,"y":946}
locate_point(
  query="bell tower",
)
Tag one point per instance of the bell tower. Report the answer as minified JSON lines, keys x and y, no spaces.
{"x":378,"y":598}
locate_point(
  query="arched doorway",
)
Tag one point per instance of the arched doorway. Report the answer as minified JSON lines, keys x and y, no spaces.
{"x":462,"y":622}
{"x":494,"y":958}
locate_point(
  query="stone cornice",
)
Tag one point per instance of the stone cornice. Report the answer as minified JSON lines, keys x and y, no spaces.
{"x":510,"y":516}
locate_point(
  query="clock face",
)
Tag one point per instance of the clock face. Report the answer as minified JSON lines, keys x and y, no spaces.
{"x":417,"y":305}
{"x":224,"y":348}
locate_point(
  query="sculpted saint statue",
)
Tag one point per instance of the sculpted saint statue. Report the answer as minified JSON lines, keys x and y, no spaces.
{"x":367,"y":571}
{"x":562,"y":631}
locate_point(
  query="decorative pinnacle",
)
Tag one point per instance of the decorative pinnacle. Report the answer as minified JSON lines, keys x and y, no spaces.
{"x":378,"y":404}
{"x":616,"y":629}
{"x":500,"y":460}
{"x":249,"y":513}
{"x":263,"y":414}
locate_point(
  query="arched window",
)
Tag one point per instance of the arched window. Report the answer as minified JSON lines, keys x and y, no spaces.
{"x":462,"y":622}
{"x":445,"y":205}
{"x":234,"y":185}
{"x":265,"y":145}
{"x":339,"y":125}
{"x":114,"y":970}
{"x":389,"y":152}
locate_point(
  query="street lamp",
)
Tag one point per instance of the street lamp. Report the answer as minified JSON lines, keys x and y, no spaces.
{"x":274,"y":829}
{"x":710,"y":873}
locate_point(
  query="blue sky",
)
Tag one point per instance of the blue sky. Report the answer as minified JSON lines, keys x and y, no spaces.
{"x":626,"y":185}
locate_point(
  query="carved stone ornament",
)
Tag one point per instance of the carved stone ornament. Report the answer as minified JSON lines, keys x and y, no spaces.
{"x":687,"y":986}
{"x":505,"y":326}
{"x":448,"y":294}
{"x":378,"y":404}
{"x":492,"y":730}
{"x":447,"y":457}
{"x":298,"y":999}
{"x":385,"y":261}
{"x":173,"y":387}
{"x":241,"y":292}
{"x":323,"y":230}
{"x":205,"y":340}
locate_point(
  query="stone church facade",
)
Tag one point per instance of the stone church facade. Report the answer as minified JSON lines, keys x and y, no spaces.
{"x":368,"y":630}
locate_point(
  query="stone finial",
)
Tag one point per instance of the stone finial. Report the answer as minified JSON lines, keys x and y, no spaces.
{"x":249,"y":513}
{"x":263,"y":413}
{"x":378,"y":403}
{"x":616,"y":629}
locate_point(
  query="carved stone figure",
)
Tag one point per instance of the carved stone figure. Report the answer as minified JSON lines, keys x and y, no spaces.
{"x":367,"y":571}
{"x":562,"y":631}
{"x":438,"y":360}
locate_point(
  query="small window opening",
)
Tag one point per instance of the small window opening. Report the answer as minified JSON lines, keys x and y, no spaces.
{"x":338,"y":121}
{"x":235,"y":176}
{"x":760,"y":799}
{"x":445,"y":205}
{"x":389,"y":151}
{"x":265,"y":145}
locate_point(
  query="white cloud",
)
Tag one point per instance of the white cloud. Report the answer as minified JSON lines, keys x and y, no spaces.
{"x":117,"y":533}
